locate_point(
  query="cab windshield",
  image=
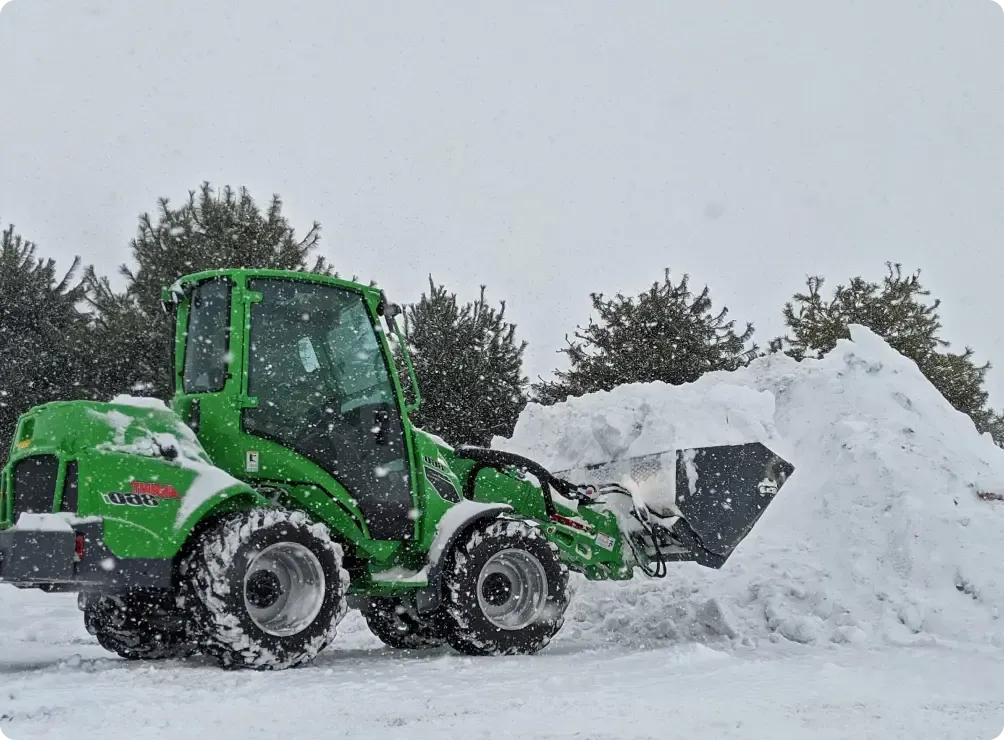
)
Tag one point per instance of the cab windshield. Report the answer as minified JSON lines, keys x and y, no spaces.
{"x":314,"y":354}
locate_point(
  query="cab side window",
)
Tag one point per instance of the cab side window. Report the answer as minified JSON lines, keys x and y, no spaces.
{"x":207,"y":345}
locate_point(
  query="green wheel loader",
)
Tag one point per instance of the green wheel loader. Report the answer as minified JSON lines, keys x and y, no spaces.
{"x":286,"y":484}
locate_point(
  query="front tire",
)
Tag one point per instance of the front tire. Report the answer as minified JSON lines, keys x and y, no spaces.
{"x":505,"y":590}
{"x":266,"y":589}
{"x":143,"y":624}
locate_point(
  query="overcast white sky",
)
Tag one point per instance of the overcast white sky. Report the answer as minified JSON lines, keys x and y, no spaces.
{"x":547,"y":149}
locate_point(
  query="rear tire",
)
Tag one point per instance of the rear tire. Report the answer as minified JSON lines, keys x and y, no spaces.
{"x":399,"y":626}
{"x":139,"y":625}
{"x":265,"y":589}
{"x":505,"y":590}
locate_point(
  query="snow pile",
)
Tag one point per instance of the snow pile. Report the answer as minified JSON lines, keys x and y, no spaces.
{"x":643,"y":419}
{"x":879,"y":536}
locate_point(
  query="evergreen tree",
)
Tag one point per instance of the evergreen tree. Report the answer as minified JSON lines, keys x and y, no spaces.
{"x":44,"y":339}
{"x":469,"y":367}
{"x":129,"y":343}
{"x":898,"y":310}
{"x":211,"y":230}
{"x":666,"y":333}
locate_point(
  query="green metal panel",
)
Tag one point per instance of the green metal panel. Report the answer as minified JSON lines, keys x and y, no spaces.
{"x":124,"y":451}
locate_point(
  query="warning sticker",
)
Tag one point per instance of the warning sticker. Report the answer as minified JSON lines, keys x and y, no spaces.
{"x":605,"y":541}
{"x":251,"y":462}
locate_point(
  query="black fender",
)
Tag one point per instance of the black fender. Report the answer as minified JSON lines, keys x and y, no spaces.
{"x":455,"y":524}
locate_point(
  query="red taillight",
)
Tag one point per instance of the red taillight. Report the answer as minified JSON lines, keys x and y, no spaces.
{"x":78,"y":548}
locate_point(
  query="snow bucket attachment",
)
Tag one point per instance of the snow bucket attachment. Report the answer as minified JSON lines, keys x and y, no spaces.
{"x":696,"y":504}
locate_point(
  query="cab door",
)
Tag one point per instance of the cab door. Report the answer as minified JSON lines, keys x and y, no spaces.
{"x":322,"y":387}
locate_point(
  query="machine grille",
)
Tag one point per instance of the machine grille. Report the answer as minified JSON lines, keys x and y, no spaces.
{"x":35,"y":484}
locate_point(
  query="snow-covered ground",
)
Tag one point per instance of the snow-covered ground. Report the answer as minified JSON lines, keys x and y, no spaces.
{"x":56,"y":683}
{"x":866,"y":603}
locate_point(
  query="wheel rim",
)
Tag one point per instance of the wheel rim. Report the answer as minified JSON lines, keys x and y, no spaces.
{"x":512,"y":589}
{"x":284,"y":589}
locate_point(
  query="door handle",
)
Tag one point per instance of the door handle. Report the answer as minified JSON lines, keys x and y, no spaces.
{"x":382,"y":419}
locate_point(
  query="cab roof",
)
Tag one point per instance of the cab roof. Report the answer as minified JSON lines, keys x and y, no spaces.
{"x":174,"y":292}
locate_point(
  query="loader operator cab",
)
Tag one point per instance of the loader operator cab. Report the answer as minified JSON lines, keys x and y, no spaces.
{"x":316,"y":380}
